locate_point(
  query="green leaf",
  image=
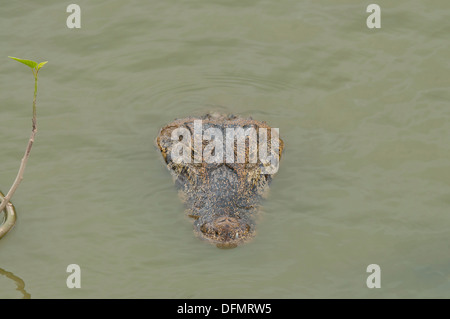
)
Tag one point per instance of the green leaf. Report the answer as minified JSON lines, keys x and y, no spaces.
{"x":40,"y":65}
{"x":30,"y":63}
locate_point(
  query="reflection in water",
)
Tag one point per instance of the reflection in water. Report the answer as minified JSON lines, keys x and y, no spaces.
{"x":19,"y":282}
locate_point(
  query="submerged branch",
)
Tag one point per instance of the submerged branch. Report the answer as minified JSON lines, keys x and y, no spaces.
{"x":10,"y":218}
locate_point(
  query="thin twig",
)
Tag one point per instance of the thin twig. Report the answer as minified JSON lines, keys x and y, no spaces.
{"x":23,"y":163}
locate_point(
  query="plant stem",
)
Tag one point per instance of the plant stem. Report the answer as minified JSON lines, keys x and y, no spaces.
{"x":23,"y":163}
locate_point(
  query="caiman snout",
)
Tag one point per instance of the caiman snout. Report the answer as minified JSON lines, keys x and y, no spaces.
{"x":226,"y":231}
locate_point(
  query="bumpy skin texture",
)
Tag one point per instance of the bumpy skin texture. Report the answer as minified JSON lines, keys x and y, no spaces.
{"x":223,"y":198}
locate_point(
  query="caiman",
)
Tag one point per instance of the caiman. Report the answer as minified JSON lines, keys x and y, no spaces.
{"x":221,"y":179}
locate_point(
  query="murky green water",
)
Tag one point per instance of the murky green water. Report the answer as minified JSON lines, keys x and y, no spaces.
{"x":365,"y":177}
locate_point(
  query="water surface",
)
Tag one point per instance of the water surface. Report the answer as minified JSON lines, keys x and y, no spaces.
{"x":364,"y":179}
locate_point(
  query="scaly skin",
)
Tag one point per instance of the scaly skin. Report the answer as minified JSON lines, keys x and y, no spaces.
{"x":223,"y":198}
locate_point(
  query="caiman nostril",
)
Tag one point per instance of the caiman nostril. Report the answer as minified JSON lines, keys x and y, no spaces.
{"x":221,"y":220}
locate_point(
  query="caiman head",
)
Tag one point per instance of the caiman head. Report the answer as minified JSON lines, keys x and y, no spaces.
{"x":222,"y":166}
